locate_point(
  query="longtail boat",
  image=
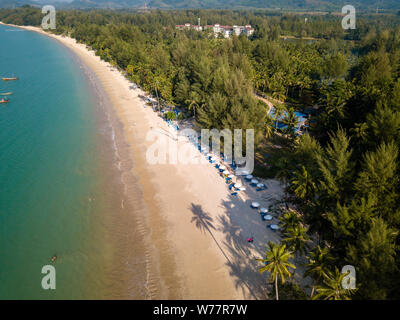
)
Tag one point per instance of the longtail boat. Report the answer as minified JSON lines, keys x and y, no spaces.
{"x":9,"y":79}
{"x":4,"y":100}
{"x":6,"y":94}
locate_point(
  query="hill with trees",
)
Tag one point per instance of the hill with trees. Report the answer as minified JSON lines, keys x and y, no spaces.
{"x":15,"y":3}
{"x":317,"y":5}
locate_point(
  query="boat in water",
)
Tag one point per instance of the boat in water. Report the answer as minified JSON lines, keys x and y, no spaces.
{"x":10,"y":79}
{"x":6,"y":94}
{"x":4,"y":100}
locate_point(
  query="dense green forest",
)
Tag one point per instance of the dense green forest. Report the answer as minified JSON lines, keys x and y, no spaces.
{"x":291,"y":5}
{"x":314,"y":5}
{"x":342,"y":177}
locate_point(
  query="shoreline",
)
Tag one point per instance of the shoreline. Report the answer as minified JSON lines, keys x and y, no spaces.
{"x":195,"y":230}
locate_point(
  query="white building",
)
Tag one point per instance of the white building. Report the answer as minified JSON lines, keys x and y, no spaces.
{"x":248,"y":30}
{"x":237,"y":30}
{"x":218,"y":29}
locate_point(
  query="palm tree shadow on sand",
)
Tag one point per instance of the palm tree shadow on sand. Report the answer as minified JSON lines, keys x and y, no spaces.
{"x":246,"y":275}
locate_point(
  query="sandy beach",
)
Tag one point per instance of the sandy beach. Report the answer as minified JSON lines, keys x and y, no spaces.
{"x":196,"y":230}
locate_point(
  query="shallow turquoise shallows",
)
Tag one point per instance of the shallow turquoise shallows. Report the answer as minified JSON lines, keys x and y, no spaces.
{"x":49,"y":172}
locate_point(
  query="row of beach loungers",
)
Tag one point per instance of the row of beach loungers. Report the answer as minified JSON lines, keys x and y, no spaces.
{"x":224,"y":171}
{"x":236,"y":187}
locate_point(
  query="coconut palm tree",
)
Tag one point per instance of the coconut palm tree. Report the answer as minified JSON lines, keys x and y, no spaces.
{"x":279,"y":96}
{"x":156,"y":85}
{"x":289,"y":219}
{"x":193,"y":102}
{"x":290,"y":119}
{"x":332,"y":288}
{"x":360,"y":131}
{"x":296,"y":238}
{"x":276,"y":262}
{"x":318,"y":262}
{"x":303,"y":183}
{"x":279,"y":110}
{"x":269,"y":128}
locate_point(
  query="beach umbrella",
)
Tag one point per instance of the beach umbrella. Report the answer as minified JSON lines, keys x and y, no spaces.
{"x":260,"y":185}
{"x":213,"y":158}
{"x":267,"y":217}
{"x":249,"y":177}
{"x":226,"y":172}
{"x":231,"y":176}
{"x":242,"y":189}
{"x":237,"y":185}
{"x":274,"y":227}
{"x":255,"y":204}
{"x":254,"y":181}
{"x":263,"y":210}
{"x":222,"y":167}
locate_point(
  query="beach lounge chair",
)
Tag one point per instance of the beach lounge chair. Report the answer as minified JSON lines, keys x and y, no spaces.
{"x":234,"y":194}
{"x":253,"y":182}
{"x":273,"y":227}
{"x":255,"y":205}
{"x":266,"y":217}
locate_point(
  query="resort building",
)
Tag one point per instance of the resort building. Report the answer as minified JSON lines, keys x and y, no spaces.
{"x":218,"y":29}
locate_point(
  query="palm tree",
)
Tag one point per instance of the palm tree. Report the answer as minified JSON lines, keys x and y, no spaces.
{"x":290,"y":119}
{"x":279,"y":96}
{"x":276,"y":262}
{"x":360,"y":131}
{"x":269,"y":128}
{"x":278,"y":112}
{"x":332,"y":288}
{"x":318,"y":262}
{"x":259,"y":82}
{"x":335,"y":105}
{"x":193,"y":102}
{"x":296,"y":237}
{"x":289,"y":219}
{"x":303,"y":183}
{"x":156,"y":85}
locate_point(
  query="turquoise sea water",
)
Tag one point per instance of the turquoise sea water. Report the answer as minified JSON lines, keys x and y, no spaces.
{"x":51,"y":174}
